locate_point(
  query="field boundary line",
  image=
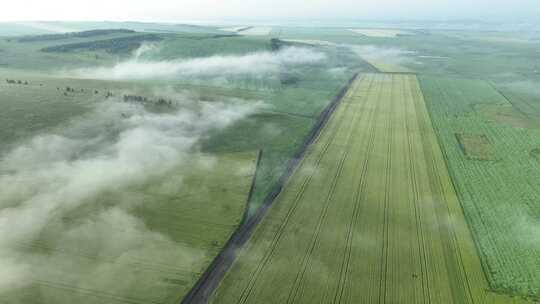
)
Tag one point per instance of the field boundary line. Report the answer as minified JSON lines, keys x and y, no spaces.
{"x":297,"y":284}
{"x":252,"y":187}
{"x":292,"y":210}
{"x":454,"y":255}
{"x":452,"y":177}
{"x":492,"y":85}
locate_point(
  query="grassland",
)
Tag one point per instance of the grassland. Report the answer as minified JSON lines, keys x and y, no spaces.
{"x":190,"y":220}
{"x":370,"y":216}
{"x":498,"y":197}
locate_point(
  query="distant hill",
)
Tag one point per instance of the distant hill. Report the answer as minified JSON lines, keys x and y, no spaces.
{"x":83,"y":34}
{"x":114,"y":45}
{"x":10,"y":29}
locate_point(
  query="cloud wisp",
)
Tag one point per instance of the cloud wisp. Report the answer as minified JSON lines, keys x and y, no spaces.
{"x":259,"y":64}
{"x":116,"y":146}
{"x":393,"y":56}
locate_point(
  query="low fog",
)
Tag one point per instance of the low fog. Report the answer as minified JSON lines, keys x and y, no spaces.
{"x":115,"y":146}
{"x":395,"y":56}
{"x":257,"y":64}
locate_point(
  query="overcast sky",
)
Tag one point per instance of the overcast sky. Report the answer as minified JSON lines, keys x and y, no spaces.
{"x":184,"y":10}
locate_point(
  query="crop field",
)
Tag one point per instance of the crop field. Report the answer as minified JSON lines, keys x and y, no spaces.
{"x":370,"y":216}
{"x":498,"y":195}
{"x":186,"y":226}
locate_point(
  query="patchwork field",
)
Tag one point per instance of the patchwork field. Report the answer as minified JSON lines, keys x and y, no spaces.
{"x":499,"y":187}
{"x":370,"y":216}
{"x":159,"y":237}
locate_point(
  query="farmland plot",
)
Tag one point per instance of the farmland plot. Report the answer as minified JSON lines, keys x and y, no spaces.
{"x":370,"y":216}
{"x":500,"y":198}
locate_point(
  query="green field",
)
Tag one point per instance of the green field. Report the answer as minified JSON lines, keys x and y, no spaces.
{"x":161,"y":232}
{"x":498,"y":194}
{"x":370,"y":216}
{"x":145,"y":244}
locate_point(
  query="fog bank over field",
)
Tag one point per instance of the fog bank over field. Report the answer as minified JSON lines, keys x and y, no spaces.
{"x":115,"y":146}
{"x":258,"y":64}
{"x":395,"y":56}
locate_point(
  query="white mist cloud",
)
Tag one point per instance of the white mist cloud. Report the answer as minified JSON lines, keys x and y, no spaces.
{"x":117,"y":145}
{"x":528,"y":87}
{"x":258,"y":64}
{"x":388,"y":55}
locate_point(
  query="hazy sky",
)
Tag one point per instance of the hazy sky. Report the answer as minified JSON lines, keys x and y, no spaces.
{"x":182,"y":10}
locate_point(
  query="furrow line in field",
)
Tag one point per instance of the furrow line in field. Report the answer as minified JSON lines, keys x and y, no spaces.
{"x":157,"y":266}
{"x":411,"y":155}
{"x":388,"y":177}
{"x":93,"y":293}
{"x":362,"y":100}
{"x":306,"y":258}
{"x":358,"y":198}
{"x":284,"y":224}
{"x":295,"y":290}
